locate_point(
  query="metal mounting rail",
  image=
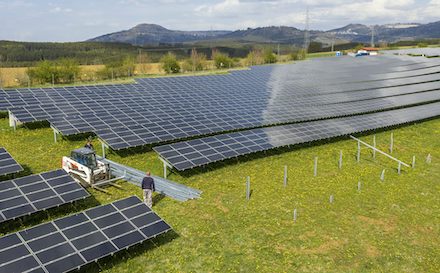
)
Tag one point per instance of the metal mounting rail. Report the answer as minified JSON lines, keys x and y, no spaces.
{"x":381,"y":152}
{"x":164,"y":186}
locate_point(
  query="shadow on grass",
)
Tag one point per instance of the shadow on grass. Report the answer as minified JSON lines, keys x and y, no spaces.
{"x":158,"y":197}
{"x":48,"y":215}
{"x":134,"y":251}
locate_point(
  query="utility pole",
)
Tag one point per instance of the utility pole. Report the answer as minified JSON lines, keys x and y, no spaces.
{"x":372,"y":36}
{"x":306,"y":33}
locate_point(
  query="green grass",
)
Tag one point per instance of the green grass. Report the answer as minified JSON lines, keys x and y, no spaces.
{"x":390,"y":226}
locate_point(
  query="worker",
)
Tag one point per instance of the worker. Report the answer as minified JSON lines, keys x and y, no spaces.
{"x":89,"y":144}
{"x":148,"y":188}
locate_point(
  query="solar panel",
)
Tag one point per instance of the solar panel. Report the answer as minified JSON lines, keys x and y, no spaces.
{"x":167,"y":109}
{"x":199,"y":152}
{"x":71,"y":242}
{"x":30,"y":194}
{"x":8,"y":165}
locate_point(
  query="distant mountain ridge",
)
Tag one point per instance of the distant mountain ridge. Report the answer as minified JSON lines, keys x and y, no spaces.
{"x":152,"y":34}
{"x":155,"y":34}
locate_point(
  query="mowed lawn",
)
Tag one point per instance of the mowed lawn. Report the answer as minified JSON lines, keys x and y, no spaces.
{"x":389,"y":226}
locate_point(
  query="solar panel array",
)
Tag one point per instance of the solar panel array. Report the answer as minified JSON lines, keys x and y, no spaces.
{"x":71,"y":242}
{"x":199,"y":152}
{"x":427,"y":51}
{"x":8,"y":165}
{"x":30,"y":194}
{"x":167,"y":109}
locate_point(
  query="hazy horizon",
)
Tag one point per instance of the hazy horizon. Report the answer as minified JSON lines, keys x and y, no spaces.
{"x":69,"y":21}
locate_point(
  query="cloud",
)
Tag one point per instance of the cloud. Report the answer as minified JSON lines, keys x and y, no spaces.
{"x":60,"y":10}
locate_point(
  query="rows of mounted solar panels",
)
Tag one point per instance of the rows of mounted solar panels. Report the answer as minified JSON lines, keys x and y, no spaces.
{"x":8,"y":165}
{"x":199,"y":152}
{"x":63,"y":93}
{"x":66,"y":95}
{"x":71,"y":242}
{"x":248,"y":98}
{"x":30,"y":194}
{"x":124,"y":131}
{"x":208,"y":99}
{"x":428,"y":51}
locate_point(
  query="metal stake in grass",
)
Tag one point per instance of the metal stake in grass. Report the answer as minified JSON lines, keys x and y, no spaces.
{"x":429,"y":159}
{"x":295,"y":215}
{"x":399,"y":167}
{"x":331,"y":198}
{"x":315,"y":169}
{"x":358,"y":158}
{"x":374,"y":145}
{"x":413,"y":165}
{"x":391,"y":143}
{"x":359,"y":185}
{"x":340,"y":160}
{"x":285,"y":176}
{"x":382,"y":175}
{"x":248,"y":188}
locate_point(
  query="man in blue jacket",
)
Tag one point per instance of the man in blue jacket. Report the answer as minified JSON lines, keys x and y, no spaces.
{"x":148,"y":188}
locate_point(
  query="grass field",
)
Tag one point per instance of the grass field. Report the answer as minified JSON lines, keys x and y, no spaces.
{"x":390,"y":226}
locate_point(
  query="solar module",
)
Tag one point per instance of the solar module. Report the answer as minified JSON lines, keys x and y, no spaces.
{"x":30,"y":194}
{"x":156,"y":110}
{"x":199,"y":152}
{"x":8,"y":165}
{"x":71,"y":242}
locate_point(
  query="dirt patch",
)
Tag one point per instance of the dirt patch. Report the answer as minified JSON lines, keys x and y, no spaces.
{"x":325,"y":247}
{"x":219,"y":204}
{"x":307,"y":235}
{"x":386,"y":225}
{"x":372,"y":251}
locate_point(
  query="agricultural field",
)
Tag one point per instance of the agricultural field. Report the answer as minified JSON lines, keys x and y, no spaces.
{"x":389,"y":226}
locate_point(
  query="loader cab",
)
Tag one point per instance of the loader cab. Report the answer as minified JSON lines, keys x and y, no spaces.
{"x":84,"y":156}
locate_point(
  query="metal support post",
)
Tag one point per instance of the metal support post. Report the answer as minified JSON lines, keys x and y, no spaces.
{"x":285,"y":176}
{"x":166,"y":165}
{"x":399,"y":167}
{"x":315,"y":169}
{"x":413,"y":165}
{"x":374,"y":145}
{"x":358,"y":158}
{"x":391,"y":143}
{"x":248,"y":188}
{"x":295,"y":215}
{"x":340,"y":160}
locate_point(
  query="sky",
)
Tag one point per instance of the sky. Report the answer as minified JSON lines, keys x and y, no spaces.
{"x":79,"y":20}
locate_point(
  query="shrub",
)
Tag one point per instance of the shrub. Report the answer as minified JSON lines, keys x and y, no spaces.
{"x":222,"y":60}
{"x":170,"y":64}
{"x":269,"y":57}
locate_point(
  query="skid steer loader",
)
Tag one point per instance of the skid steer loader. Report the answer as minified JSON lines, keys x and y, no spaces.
{"x":83,"y":166}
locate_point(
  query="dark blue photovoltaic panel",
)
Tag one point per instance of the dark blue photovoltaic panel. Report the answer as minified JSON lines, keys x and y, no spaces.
{"x":30,"y":194}
{"x":8,"y":165}
{"x":194,"y":153}
{"x":156,"y":110}
{"x":71,"y":242}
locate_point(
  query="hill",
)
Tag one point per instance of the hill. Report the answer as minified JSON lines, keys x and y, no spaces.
{"x":154,"y":34}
